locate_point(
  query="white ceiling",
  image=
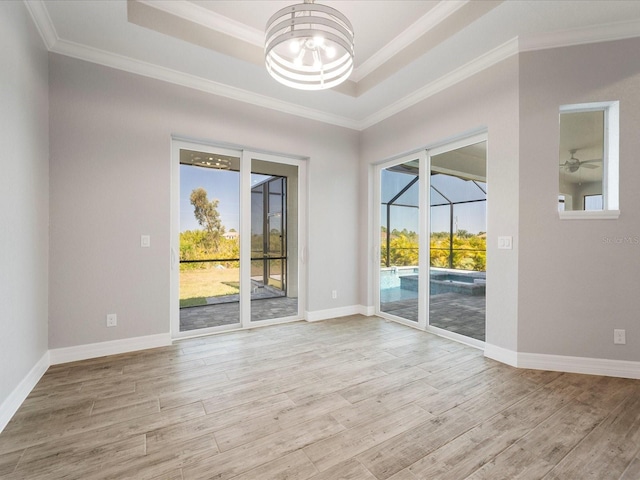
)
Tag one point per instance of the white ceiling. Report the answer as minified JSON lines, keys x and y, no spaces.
{"x":405,"y":50}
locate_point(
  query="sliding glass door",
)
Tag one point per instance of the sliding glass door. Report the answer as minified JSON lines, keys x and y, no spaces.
{"x":274,"y":240}
{"x":458,"y":240}
{"x":235,"y":224}
{"x":209,"y":253}
{"x":400,"y":225}
{"x":431,"y":239}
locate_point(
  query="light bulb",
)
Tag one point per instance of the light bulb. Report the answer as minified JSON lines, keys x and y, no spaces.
{"x":318,"y":40}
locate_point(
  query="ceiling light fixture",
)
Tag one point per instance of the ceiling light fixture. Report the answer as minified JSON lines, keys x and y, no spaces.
{"x":309,"y":46}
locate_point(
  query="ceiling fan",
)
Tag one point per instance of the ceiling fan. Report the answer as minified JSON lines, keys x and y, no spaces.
{"x":573,"y":164}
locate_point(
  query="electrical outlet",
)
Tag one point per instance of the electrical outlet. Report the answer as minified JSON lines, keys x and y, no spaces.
{"x":334,"y":294}
{"x":145,"y":241}
{"x":505,"y":243}
{"x":619,"y":336}
{"x":112,"y":320}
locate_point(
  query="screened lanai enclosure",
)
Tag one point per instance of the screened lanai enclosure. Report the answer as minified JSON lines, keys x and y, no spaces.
{"x":455,"y":197}
{"x":211,"y":213}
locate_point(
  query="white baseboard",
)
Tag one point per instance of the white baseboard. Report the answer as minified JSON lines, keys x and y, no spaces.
{"x":564,"y":363}
{"x":114,"y":347}
{"x":500,"y":354}
{"x":367,"y":311}
{"x":590,"y":366}
{"x":12,"y":403}
{"x":318,"y":315}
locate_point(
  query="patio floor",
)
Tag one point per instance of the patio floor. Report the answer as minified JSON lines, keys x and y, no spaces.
{"x":462,"y":314}
{"x":215,"y":315}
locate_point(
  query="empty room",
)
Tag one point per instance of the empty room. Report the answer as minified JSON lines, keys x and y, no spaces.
{"x":363,"y":240}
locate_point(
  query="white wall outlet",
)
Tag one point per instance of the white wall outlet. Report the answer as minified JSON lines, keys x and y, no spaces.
{"x":619,"y":336}
{"x":334,"y":294}
{"x":112,"y":320}
{"x":505,"y":243}
{"x":145,"y":241}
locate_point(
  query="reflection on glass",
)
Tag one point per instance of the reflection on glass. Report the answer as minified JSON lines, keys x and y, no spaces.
{"x":209,"y":240}
{"x":457,"y":274}
{"x":581,"y":159}
{"x":399,"y":253}
{"x":274,"y":233}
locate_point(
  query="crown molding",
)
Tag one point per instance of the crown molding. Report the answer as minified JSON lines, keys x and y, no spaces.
{"x":601,"y":33}
{"x":209,"y":19}
{"x":43,"y":22}
{"x":424,"y":24}
{"x":120,"y":62}
{"x":581,"y":36}
{"x":469,"y":69}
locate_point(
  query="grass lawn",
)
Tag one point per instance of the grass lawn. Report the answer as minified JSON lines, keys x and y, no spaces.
{"x":197,"y":285}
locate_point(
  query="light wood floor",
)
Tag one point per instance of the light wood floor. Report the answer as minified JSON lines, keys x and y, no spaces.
{"x":355,"y":398}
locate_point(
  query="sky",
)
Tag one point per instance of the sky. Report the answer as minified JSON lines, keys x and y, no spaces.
{"x":225,"y":186}
{"x":221,"y":184}
{"x":469,"y":216}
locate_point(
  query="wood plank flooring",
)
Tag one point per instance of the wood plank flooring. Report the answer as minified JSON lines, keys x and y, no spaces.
{"x":354,"y":398}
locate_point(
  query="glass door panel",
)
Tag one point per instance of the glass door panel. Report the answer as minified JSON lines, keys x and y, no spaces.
{"x":274,"y":233}
{"x":209,"y":256}
{"x":457,"y":273}
{"x":399,"y":240}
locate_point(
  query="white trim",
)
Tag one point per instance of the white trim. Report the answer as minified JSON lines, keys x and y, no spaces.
{"x":43,"y":22}
{"x":502,"y":355}
{"x":610,"y":157}
{"x":12,"y":403}
{"x":367,"y":311}
{"x":207,"y":18}
{"x":589,"y":214}
{"x":589,"y":366}
{"x":564,"y":363}
{"x":456,"y":337}
{"x":592,"y":34}
{"x":318,"y":315}
{"x":477,"y":65}
{"x":127,"y":64}
{"x":113,"y":347}
{"x":581,"y":36}
{"x":440,"y":12}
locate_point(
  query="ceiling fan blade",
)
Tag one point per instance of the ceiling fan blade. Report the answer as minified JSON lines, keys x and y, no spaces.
{"x":588,"y":165}
{"x":595,"y":160}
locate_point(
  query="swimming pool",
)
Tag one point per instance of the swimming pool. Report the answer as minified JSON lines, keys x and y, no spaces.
{"x":441,"y":280}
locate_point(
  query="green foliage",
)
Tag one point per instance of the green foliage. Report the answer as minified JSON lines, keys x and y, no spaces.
{"x":469,"y":250}
{"x":206,"y":212}
{"x":194,"y":245}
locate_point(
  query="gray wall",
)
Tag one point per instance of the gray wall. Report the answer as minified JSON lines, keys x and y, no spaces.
{"x":24,"y":196}
{"x":575,"y":286}
{"x":487,"y":100}
{"x":110,"y":177}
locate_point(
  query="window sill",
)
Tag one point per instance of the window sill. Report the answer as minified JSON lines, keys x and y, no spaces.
{"x":589,"y":215}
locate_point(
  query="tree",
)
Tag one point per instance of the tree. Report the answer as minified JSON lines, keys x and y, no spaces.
{"x":206,"y":212}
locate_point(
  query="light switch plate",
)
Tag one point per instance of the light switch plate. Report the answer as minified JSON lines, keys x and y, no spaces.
{"x":145,"y":241}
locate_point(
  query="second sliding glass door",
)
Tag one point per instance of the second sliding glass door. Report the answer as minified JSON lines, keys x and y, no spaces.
{"x":431,"y":239}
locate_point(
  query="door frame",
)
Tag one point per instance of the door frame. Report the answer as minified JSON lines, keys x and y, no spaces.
{"x":245,"y":155}
{"x":432,"y":152}
{"x":423,"y":224}
{"x":424,"y":156}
